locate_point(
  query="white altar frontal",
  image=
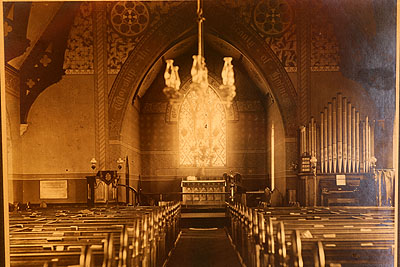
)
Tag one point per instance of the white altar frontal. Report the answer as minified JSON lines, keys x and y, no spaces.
{"x":203,"y":192}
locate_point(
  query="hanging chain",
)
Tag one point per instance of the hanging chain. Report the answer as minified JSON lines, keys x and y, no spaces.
{"x":200,"y":20}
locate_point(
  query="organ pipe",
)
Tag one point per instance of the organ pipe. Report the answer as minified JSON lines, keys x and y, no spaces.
{"x":344,"y":143}
{"x":353,"y":139}
{"x":340,"y":133}
{"x":364,"y":151}
{"x":309,"y":149}
{"x":367,"y":156}
{"x":344,"y":134}
{"x":330,"y":137}
{"x":313,"y":137}
{"x":357,"y":142}
{"x":372,"y":143}
{"x":321,"y":144}
{"x":326,"y":138}
{"x":349,"y":130}
{"x":302,"y":142}
{"x":334,"y":141}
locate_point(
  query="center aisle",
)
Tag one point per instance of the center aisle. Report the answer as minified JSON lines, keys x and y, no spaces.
{"x":204,"y":247}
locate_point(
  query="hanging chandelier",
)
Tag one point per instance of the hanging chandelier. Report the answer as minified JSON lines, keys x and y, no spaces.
{"x":199,"y":73}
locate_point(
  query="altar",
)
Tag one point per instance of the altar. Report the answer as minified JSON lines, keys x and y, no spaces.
{"x":203,"y":192}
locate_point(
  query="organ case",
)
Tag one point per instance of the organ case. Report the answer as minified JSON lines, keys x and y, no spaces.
{"x":341,"y":143}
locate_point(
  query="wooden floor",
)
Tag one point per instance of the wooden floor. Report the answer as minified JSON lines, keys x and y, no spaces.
{"x":199,"y":247}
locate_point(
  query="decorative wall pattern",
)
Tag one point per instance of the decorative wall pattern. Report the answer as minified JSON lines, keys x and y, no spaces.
{"x":324,"y":45}
{"x":285,"y":48}
{"x":280,"y":35}
{"x":249,"y":131}
{"x":79,"y":52}
{"x":126,"y":23}
{"x":274,"y":21}
{"x":265,"y":16}
{"x":272,"y":17}
{"x":119,"y":44}
{"x":154,"y":107}
{"x":100,"y":84}
{"x":303,"y":60}
{"x":122,"y":36}
{"x":156,"y":135}
{"x":156,"y":164}
{"x":249,"y":106}
{"x":129,"y":18}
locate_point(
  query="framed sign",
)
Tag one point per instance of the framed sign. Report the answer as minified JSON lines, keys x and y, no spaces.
{"x":340,"y":179}
{"x":54,"y":189}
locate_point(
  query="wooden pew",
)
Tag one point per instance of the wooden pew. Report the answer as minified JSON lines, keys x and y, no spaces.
{"x":121,"y":236}
{"x":340,"y":235}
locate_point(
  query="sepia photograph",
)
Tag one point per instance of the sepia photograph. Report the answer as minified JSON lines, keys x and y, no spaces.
{"x":204,"y":133}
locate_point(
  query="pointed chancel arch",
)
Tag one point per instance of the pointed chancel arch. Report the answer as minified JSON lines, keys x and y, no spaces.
{"x":171,"y":31}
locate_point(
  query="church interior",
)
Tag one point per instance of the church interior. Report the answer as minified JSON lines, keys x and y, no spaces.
{"x":199,"y":133}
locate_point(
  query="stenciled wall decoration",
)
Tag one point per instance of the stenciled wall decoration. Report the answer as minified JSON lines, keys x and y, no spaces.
{"x":273,"y":17}
{"x":129,"y":18}
{"x":274,"y":21}
{"x":79,"y":52}
{"x":123,"y":31}
{"x":324,"y":45}
{"x":127,"y":26}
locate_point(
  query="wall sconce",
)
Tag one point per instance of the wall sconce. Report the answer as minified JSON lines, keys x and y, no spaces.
{"x":93,"y":163}
{"x":120,"y":162}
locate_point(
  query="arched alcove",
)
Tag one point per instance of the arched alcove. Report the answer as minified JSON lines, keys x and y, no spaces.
{"x":169,"y":34}
{"x":174,"y":37}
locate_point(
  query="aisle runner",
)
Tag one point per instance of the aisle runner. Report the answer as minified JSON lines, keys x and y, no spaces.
{"x":204,"y":247}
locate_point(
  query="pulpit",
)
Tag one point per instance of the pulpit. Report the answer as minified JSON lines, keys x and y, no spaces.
{"x":102,"y":188}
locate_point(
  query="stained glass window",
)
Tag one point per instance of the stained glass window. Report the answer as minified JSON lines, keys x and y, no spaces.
{"x":202,"y":130}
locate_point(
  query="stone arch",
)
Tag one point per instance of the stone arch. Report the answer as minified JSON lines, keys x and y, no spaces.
{"x":174,"y":29}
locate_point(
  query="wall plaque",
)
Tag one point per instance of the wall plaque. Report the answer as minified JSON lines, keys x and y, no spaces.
{"x":54,"y":189}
